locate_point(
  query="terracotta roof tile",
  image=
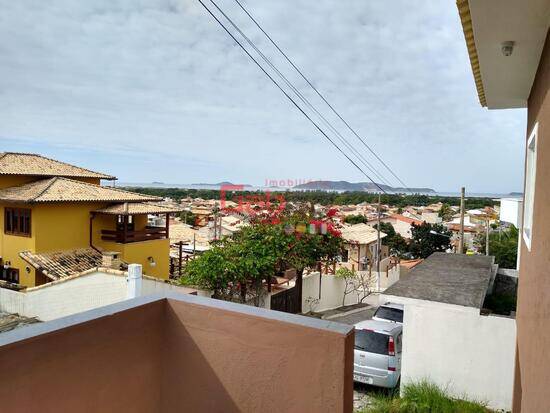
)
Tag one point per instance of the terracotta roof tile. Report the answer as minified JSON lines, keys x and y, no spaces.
{"x":59,"y":189}
{"x":360,"y":233}
{"x":137,"y":208}
{"x":13,"y":163}
{"x":408,"y":220}
{"x":59,"y":264}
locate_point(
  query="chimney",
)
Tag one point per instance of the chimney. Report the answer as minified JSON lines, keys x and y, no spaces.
{"x":110,"y":259}
{"x":133,"y":287}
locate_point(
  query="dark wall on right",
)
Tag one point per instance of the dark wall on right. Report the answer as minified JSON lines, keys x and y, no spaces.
{"x":533,"y":315}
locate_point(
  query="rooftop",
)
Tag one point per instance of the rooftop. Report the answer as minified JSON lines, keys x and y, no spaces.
{"x":447,"y":278}
{"x":60,"y":189}
{"x":137,"y":208}
{"x":504,"y":81}
{"x":408,"y":220}
{"x":60,"y":264}
{"x":13,"y":163}
{"x":360,"y":233}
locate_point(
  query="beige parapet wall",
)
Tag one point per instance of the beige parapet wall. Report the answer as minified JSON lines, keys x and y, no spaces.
{"x":178,"y":353}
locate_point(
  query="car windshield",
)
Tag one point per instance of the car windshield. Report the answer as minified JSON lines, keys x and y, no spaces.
{"x":388,"y":313}
{"x":371,"y":341}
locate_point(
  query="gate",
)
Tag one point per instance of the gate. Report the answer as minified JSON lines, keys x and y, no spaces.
{"x":287,"y":301}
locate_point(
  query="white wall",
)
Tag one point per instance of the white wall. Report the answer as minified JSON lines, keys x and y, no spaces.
{"x":332,"y":290}
{"x":511,"y":210}
{"x":72,"y":296}
{"x":458,"y":348}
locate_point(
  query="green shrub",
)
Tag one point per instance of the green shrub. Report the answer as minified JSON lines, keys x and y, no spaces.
{"x":423,"y":397}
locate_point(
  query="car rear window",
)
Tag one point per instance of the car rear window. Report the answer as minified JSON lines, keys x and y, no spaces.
{"x":371,"y":341}
{"x":388,"y":313}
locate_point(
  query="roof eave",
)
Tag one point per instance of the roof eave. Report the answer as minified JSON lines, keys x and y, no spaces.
{"x":466,"y":20}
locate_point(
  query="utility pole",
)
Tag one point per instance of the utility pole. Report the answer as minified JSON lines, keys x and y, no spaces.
{"x":461,"y":240}
{"x":487,"y":236}
{"x":180,"y":256}
{"x":215,"y":225}
{"x":378,"y":246}
{"x":193,"y":244}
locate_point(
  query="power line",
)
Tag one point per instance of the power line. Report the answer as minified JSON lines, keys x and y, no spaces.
{"x":364,"y":161}
{"x":286,"y":94}
{"x":319,"y":93}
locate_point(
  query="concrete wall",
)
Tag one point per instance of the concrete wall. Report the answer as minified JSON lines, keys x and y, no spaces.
{"x":332,"y":293}
{"x":506,"y":282}
{"x":457,"y":348}
{"x":179,"y":354}
{"x":66,"y":297}
{"x":332,"y":289}
{"x":533,"y":372}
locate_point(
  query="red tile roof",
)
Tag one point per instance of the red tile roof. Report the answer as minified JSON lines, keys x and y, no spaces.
{"x":406,"y":219}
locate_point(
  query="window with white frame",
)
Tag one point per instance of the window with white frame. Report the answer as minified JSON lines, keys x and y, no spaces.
{"x":530,"y":177}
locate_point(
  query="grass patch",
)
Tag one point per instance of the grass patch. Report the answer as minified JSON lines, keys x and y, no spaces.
{"x":423,"y":397}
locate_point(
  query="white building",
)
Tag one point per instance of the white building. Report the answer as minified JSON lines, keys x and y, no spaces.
{"x":511,"y":211}
{"x":401,"y":224}
{"x":446,"y":338}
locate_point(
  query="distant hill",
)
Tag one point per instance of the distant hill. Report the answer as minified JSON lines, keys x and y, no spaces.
{"x":356,"y":186}
{"x":219,"y":184}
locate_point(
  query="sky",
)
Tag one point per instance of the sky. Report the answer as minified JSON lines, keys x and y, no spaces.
{"x":155,"y":90}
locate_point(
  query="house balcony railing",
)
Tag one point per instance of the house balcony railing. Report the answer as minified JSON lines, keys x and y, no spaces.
{"x":125,"y":237}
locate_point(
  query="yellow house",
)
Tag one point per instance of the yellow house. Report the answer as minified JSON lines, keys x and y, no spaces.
{"x":360,"y":241}
{"x":58,"y":220}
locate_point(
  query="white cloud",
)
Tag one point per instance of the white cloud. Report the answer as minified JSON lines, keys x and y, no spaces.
{"x":158,"y":80}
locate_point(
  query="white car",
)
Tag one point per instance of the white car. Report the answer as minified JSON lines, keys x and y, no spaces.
{"x":389,"y":312}
{"x":377,"y":353}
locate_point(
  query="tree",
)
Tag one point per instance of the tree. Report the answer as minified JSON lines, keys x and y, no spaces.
{"x":395,"y":242}
{"x":355,"y":219}
{"x":211,"y":271}
{"x":429,"y":238}
{"x":358,"y":282}
{"x":502,"y":245}
{"x":446,"y":212}
{"x":236,"y":267}
{"x":188,"y":218}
